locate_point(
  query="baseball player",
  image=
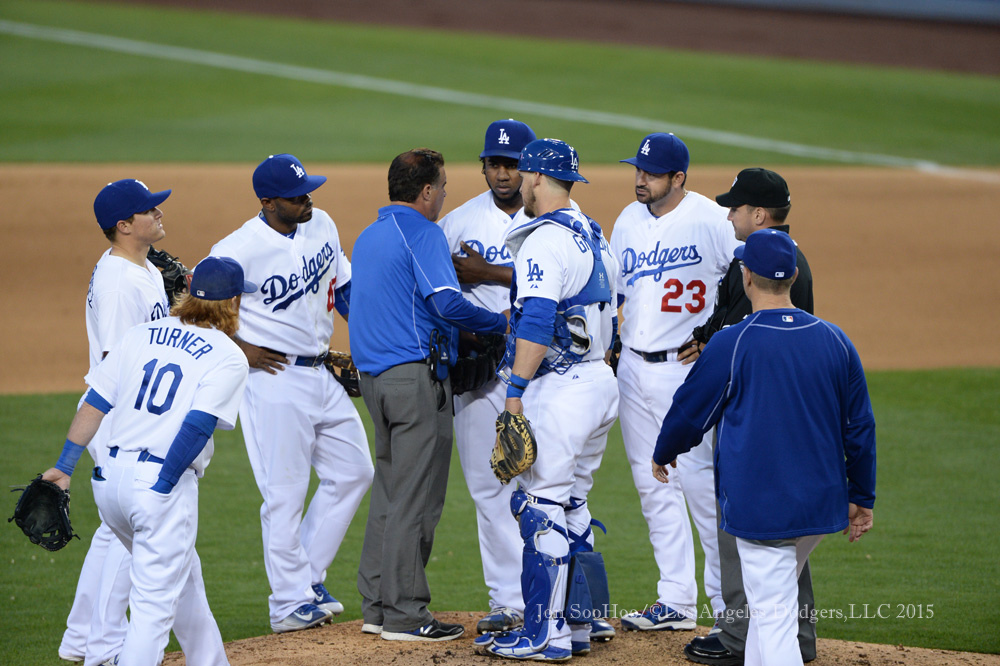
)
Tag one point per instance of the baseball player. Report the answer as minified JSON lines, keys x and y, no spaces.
{"x":125,"y":290}
{"x":815,"y":445}
{"x":758,"y":199}
{"x":562,"y":323}
{"x":295,"y":415}
{"x":476,"y":230}
{"x":177,"y":379}
{"x":673,"y":246}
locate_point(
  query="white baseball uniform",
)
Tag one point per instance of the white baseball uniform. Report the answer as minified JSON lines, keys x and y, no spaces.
{"x":670,"y":271}
{"x":300,"y":417}
{"x":161,"y":371}
{"x":480,"y":224}
{"x":121,"y":295}
{"x":570,"y":413}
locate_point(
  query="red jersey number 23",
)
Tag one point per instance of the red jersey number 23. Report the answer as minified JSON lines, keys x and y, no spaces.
{"x":679,"y":296}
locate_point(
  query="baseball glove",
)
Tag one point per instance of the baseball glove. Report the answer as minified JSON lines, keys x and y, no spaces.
{"x":348,"y":374}
{"x":478,"y":358}
{"x":515,"y":449}
{"x":174,"y":273}
{"x":42,"y":513}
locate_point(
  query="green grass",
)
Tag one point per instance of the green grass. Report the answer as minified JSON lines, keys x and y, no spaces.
{"x":930,"y":548}
{"x":76,"y":103}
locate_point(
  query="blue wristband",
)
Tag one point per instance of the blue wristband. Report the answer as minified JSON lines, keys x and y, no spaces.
{"x":519,"y":381}
{"x":514,"y":391}
{"x":69,"y":457}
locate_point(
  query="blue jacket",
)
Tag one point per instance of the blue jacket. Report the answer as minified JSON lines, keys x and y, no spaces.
{"x":796,"y":433}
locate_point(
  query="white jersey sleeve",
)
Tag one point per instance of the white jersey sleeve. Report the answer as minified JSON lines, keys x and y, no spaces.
{"x":293,"y":310}
{"x":669,"y":269}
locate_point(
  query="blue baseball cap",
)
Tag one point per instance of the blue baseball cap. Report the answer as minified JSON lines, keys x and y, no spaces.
{"x":283,"y":176}
{"x":661,"y":153}
{"x":506,"y":138}
{"x":122,"y":199}
{"x":768,"y":253}
{"x":551,"y":157}
{"x":219,"y":278}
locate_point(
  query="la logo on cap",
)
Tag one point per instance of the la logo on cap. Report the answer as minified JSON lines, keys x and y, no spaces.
{"x":299,"y":171}
{"x":645,"y":148}
{"x":504,"y":137}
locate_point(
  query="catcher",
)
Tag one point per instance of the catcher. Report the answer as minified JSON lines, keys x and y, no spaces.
{"x":174,"y":394}
{"x":562,"y":324}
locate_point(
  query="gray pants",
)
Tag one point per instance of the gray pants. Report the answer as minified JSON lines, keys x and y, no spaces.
{"x":413,"y":438}
{"x":736,"y":624}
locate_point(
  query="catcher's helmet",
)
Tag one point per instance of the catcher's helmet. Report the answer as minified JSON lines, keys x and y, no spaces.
{"x":551,"y":157}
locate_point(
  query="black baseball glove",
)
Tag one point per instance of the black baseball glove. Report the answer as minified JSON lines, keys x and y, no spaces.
{"x":344,"y":371}
{"x":42,"y":513}
{"x":174,"y":273}
{"x":478,"y":358}
{"x":515,"y":449}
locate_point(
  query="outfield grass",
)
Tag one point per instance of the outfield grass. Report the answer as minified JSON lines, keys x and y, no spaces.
{"x":75,"y":103}
{"x":931,"y":550}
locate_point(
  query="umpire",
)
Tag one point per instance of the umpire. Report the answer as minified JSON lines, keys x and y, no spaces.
{"x":758,"y":199}
{"x":406,"y":309}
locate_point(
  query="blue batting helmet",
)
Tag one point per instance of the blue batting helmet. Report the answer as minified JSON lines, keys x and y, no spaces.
{"x":551,"y":157}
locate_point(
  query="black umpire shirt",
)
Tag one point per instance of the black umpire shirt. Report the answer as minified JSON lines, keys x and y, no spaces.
{"x":732,"y":304}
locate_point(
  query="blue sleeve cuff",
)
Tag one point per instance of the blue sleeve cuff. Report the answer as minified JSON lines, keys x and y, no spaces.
{"x":95,"y":400}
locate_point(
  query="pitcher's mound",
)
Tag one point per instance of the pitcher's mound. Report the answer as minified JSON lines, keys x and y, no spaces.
{"x":343,"y":643}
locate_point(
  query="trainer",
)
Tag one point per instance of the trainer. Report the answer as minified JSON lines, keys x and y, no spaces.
{"x":407,"y":307}
{"x":795,"y":458}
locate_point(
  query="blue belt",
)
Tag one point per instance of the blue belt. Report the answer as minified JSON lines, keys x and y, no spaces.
{"x":655,"y":357}
{"x":311,"y":361}
{"x":144,"y":455}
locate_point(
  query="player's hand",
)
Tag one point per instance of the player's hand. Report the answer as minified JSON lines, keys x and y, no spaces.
{"x":861,"y":520}
{"x":514,"y":405}
{"x":61,"y":479}
{"x":261,"y":358}
{"x":660,"y":471}
{"x":473,"y":268}
{"x":689,"y":352}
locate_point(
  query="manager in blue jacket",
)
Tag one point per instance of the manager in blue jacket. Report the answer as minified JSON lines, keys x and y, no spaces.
{"x":795,"y":458}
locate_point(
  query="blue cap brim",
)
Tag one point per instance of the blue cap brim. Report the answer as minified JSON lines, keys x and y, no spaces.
{"x":648,"y":167}
{"x":308,"y":185}
{"x":738,"y":252}
{"x":510,"y":154}
{"x":249,"y":287}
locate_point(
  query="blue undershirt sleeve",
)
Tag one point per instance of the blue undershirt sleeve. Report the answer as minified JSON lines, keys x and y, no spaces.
{"x":621,"y":299}
{"x":538,"y":320}
{"x":451,"y":305}
{"x":197,"y":427}
{"x":342,"y":300}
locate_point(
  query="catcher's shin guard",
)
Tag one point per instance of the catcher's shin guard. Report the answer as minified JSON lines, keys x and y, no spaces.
{"x":543,"y":575}
{"x":588,"y":597}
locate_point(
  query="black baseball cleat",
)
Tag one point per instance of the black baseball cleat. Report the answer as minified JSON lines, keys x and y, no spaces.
{"x":710,"y":650}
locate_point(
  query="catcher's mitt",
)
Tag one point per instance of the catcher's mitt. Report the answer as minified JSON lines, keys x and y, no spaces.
{"x":348,"y":374}
{"x":42,"y":513}
{"x":515,"y":450}
{"x":175,"y":274}
{"x":478,"y":358}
